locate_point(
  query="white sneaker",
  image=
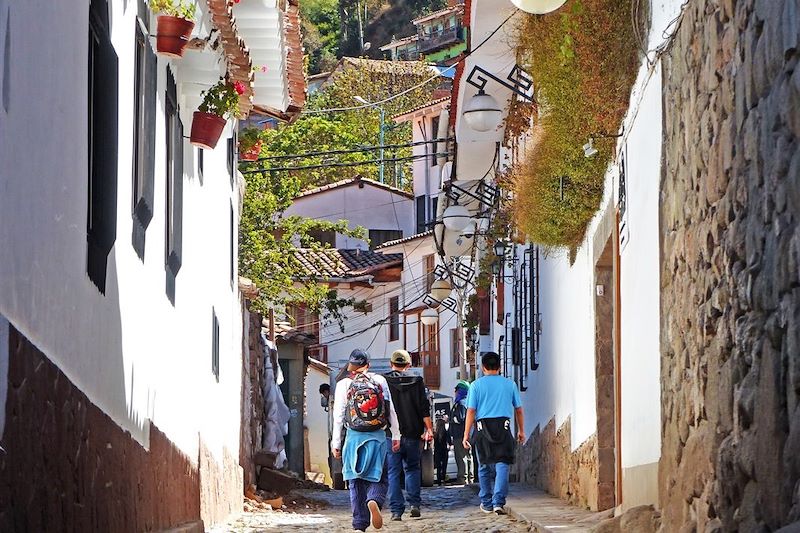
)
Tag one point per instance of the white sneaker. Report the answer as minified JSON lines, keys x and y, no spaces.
{"x":498,"y":509}
{"x":485,"y":510}
{"x":375,"y":517}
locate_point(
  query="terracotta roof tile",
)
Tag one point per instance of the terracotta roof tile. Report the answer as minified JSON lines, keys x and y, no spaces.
{"x":405,"y":239}
{"x":353,"y":181}
{"x":240,"y":66}
{"x":332,"y":263}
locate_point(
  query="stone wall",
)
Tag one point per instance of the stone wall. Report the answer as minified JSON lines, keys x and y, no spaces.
{"x":730,"y":298}
{"x":252,"y":404}
{"x":68,"y":467}
{"x":546,"y":461}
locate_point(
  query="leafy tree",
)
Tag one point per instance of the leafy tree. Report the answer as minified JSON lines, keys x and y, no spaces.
{"x":315,"y":132}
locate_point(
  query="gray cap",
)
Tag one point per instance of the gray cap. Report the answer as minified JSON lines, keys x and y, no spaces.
{"x":358,"y":358}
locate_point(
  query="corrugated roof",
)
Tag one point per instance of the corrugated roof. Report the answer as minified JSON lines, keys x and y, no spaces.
{"x":330,"y":263}
{"x":354,"y":181}
{"x":400,"y":42}
{"x":435,"y":14}
{"x":405,"y":239}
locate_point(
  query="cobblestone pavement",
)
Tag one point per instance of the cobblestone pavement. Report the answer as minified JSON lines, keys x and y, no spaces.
{"x":444,"y":509}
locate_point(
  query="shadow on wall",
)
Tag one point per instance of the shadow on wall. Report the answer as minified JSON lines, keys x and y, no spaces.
{"x":68,"y":466}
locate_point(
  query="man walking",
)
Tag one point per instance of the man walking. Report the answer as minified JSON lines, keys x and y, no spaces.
{"x":457,"y":421}
{"x":414,"y":413}
{"x":362,"y":402}
{"x":491,"y":402}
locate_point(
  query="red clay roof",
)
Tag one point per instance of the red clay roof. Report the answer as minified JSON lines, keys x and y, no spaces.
{"x":354,"y":181}
{"x":405,"y":239}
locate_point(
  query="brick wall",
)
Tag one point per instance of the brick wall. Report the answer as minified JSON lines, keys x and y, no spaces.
{"x":730,"y":298}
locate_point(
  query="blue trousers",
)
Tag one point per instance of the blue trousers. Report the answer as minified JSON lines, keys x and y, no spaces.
{"x":406,"y":460}
{"x":362,"y":491}
{"x":493,"y":480}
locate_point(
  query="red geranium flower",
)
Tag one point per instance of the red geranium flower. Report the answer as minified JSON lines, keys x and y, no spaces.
{"x":239,"y":86}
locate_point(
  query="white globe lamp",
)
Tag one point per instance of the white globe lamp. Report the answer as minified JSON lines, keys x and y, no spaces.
{"x":440,"y":290}
{"x":456,"y":218}
{"x":538,"y":7}
{"x":429,"y":317}
{"x":482,"y":112}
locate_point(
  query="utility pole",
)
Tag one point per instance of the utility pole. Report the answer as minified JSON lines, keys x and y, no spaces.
{"x":380,"y":142}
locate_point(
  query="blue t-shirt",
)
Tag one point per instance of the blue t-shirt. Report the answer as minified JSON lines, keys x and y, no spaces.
{"x":493,"y":397}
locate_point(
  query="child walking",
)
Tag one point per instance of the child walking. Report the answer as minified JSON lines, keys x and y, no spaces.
{"x":441,"y":447}
{"x":363,"y":404}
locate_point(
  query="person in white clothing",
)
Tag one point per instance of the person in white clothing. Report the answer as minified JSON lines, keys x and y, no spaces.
{"x":363,"y":404}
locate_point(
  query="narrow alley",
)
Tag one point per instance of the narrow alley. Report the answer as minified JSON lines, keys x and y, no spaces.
{"x":446,"y":509}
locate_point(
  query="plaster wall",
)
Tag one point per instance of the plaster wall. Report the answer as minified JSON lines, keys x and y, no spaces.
{"x":135,"y":356}
{"x":361,"y":205}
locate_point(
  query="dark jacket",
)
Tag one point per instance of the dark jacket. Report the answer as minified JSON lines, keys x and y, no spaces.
{"x":494,"y":441}
{"x":410,"y":401}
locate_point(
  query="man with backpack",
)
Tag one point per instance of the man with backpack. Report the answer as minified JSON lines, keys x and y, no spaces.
{"x":363,"y":403}
{"x":491,"y":403}
{"x":457,"y":421}
{"x":410,"y":398}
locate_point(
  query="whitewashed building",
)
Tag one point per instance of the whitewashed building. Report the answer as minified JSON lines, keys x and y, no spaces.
{"x":590,"y":380}
{"x":120,"y":313}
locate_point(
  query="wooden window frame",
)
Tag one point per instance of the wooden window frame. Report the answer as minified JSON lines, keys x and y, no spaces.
{"x":173,"y":226}
{"x":394,"y":318}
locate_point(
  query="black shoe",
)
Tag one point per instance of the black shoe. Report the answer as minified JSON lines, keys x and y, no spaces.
{"x":415,"y":512}
{"x":397,"y":517}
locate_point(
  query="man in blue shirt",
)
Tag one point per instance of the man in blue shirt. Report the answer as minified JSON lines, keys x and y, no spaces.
{"x":491,"y":403}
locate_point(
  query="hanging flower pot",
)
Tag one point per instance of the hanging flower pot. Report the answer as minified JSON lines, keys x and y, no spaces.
{"x":250,"y":144}
{"x":173,"y":35}
{"x":219,"y":102}
{"x":206,"y":129}
{"x":250,"y":153}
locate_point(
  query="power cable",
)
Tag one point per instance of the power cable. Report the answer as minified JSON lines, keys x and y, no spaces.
{"x":340,"y":165}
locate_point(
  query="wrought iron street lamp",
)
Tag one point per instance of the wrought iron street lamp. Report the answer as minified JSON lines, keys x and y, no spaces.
{"x":456,"y":218}
{"x":440,"y":290}
{"x":429,"y":317}
{"x":538,"y":7}
{"x":482,"y":112}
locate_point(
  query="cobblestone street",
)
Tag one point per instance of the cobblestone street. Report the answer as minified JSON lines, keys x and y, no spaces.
{"x":444,"y":509}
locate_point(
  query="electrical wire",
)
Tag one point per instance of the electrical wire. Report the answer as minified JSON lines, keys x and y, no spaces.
{"x":417,"y":86}
{"x":373,"y":148}
{"x":340,"y":165}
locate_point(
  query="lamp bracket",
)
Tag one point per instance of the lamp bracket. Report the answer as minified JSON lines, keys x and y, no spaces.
{"x":461,"y":274}
{"x":486,"y":194}
{"x":448,"y":303}
{"x":520,"y":80}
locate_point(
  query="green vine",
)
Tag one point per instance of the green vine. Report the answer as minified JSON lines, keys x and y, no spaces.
{"x":584,"y":62}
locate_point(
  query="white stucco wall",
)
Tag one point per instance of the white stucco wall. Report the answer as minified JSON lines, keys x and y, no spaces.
{"x":367,"y":206}
{"x":133,"y":353}
{"x":316,"y":420}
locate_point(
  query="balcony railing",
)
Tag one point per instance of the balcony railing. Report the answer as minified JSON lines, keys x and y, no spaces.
{"x":439,"y":39}
{"x":407,"y":55}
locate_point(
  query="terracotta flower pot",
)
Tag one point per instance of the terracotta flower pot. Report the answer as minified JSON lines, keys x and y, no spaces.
{"x":251,"y":153}
{"x":173,"y":35}
{"x":206,"y":129}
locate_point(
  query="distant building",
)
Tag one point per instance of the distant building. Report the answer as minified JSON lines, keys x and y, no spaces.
{"x":441,"y":36}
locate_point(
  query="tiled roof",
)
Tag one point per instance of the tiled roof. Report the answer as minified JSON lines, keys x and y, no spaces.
{"x":405,"y":240}
{"x":295,"y":73}
{"x":399,"y":42}
{"x":441,"y":12}
{"x":240,"y":66}
{"x":423,"y":106}
{"x":342,"y":264}
{"x":354,"y":181}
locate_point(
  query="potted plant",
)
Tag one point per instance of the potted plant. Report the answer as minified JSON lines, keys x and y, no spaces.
{"x":220,"y":102}
{"x":250,"y":144}
{"x":175,"y":25}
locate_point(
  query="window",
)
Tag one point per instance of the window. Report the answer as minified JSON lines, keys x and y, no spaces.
{"x":434,"y":208}
{"x":101,"y":219}
{"x":144,"y":134}
{"x":231,"y":255}
{"x":323,"y":236}
{"x":214,"y":344}
{"x":232,"y":156}
{"x":428,"y":268}
{"x":434,"y":135}
{"x":394,"y":318}
{"x":200,"y":163}
{"x":380,"y":236}
{"x":174,"y":184}
{"x":422,"y":215}
{"x":455,"y":348}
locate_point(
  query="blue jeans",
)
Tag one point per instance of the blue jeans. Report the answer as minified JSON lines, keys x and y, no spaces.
{"x":362,"y":491}
{"x":494,"y":484}
{"x":407,"y":460}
